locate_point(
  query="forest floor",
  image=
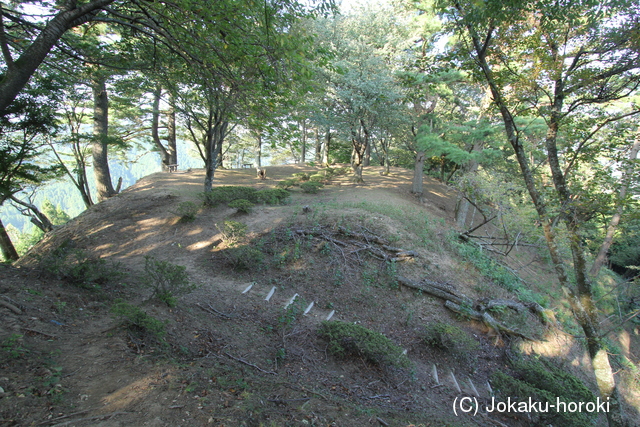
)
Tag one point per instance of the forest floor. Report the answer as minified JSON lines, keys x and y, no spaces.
{"x":231,"y":354}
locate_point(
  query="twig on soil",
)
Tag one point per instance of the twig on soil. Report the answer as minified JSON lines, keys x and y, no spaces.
{"x":212,"y":310}
{"x":96,"y":417}
{"x":250,"y":364}
{"x":39,"y":332}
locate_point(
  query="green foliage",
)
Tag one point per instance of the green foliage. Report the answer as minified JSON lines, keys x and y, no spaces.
{"x":244,"y":257}
{"x":231,"y":193}
{"x":139,"y":322}
{"x":232,"y":232}
{"x":167,"y":281}
{"x":451,"y":339}
{"x":486,"y":265}
{"x":242,"y":205}
{"x":311,"y":187}
{"x":288,"y":183}
{"x":77,"y":268}
{"x":302,"y":176}
{"x":187,"y":211}
{"x":348,"y":339}
{"x":272,"y":196}
{"x":11,"y":348}
{"x":318,"y":177}
{"x":542,"y":381}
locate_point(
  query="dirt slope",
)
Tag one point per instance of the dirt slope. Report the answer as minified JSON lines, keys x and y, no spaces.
{"x":231,"y":358}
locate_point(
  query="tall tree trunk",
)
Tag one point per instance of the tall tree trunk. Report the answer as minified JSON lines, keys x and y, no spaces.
{"x":172,"y":147}
{"x":303,"y":149}
{"x":325,"y":148}
{"x":213,"y":152}
{"x":100,"y":138}
{"x":318,"y":146}
{"x":155,"y":129}
{"x":258,"y":160}
{"x":615,"y":219}
{"x":418,"y":172}
{"x":6,"y":246}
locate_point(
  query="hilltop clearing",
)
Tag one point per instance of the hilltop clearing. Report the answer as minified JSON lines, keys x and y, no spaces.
{"x":86,"y":343}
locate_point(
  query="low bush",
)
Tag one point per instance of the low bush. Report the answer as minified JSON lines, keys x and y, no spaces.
{"x":348,"y":339}
{"x":544,"y":382}
{"x":242,"y":205}
{"x":244,"y":257}
{"x":288,"y":183}
{"x":76,"y":267}
{"x":141,"y":324}
{"x":232,"y":232}
{"x":187,"y":211}
{"x":451,"y":339}
{"x":311,"y":187}
{"x":168,"y":281}
{"x":272,"y":196}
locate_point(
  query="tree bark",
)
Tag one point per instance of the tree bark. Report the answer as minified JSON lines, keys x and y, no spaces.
{"x":155,"y":129}
{"x":6,"y":246}
{"x":172,"y":147}
{"x":38,"y":218}
{"x":615,"y":219}
{"x":325,"y":148}
{"x":18,"y":74}
{"x":416,"y":186}
{"x":303,"y":148}
{"x":99,"y":146}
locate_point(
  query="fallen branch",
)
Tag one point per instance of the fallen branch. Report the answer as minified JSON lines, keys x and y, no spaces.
{"x":250,"y":364}
{"x":486,"y":318}
{"x":440,"y":290}
{"x":10,"y":306}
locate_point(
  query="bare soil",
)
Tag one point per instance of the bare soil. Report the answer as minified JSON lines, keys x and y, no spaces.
{"x":235,"y":359}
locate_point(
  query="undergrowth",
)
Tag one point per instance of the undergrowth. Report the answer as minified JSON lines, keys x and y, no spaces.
{"x":348,"y":339}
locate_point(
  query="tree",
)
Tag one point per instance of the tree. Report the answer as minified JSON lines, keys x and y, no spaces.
{"x":544,"y":59}
{"x":24,"y":128}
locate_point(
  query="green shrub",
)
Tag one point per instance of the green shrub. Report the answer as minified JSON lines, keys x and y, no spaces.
{"x":242,"y":205}
{"x":318,"y":177}
{"x":229,"y":193}
{"x":272,"y":196}
{"x":244,"y":257}
{"x":302,"y":176}
{"x":347,"y":339}
{"x":451,"y":339}
{"x":167,"y":281}
{"x":232,"y":232}
{"x":187,"y":211}
{"x":139,"y":322}
{"x":11,"y":348}
{"x":288,"y":183}
{"x":545,"y":382}
{"x":311,"y":187}
{"x":77,"y":268}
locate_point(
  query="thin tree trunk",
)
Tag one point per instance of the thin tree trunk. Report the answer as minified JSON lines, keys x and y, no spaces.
{"x":416,"y":186}
{"x":318,"y":146}
{"x":172,"y":147}
{"x":325,"y":148}
{"x":258,"y":150}
{"x":303,"y":149}
{"x":38,"y":218}
{"x":615,"y":219}
{"x":100,"y":141}
{"x":6,"y":246}
{"x":155,"y":129}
